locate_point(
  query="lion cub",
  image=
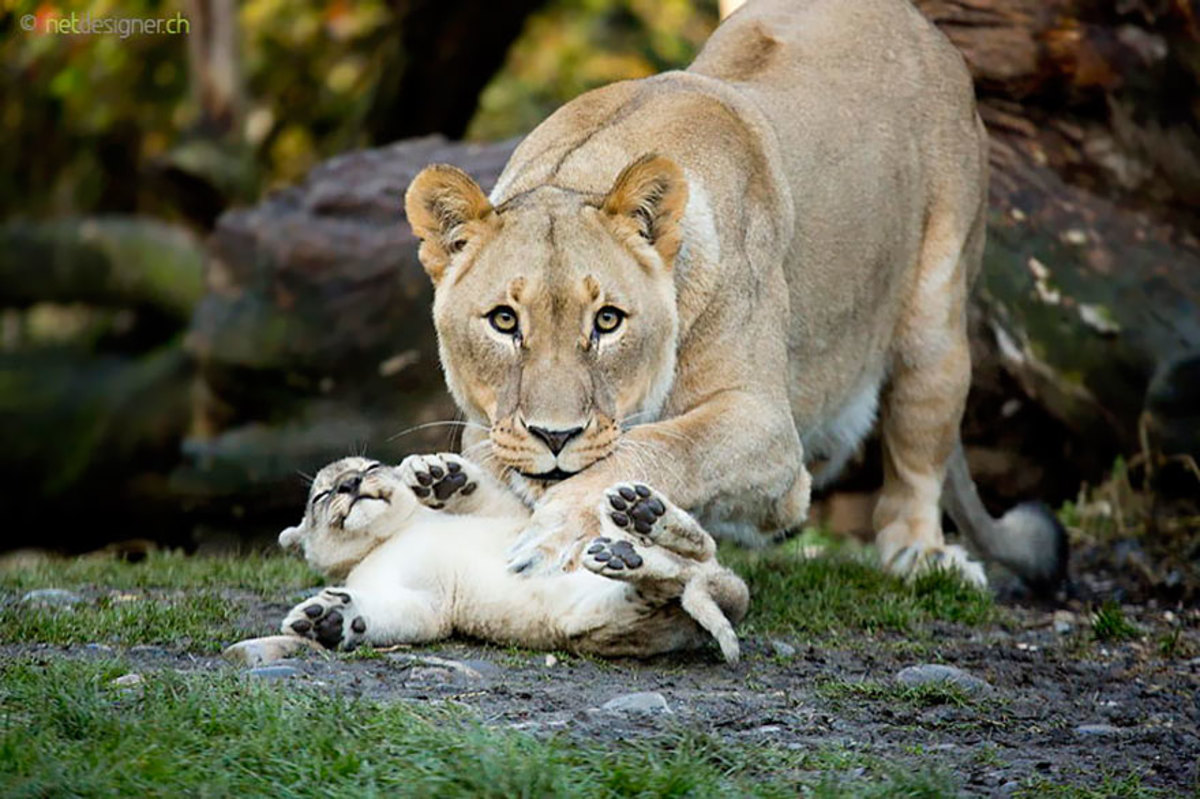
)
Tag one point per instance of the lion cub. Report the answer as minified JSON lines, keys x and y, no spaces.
{"x":421,"y":548}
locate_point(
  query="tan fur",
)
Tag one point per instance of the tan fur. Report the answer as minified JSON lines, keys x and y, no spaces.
{"x":831,"y":168}
{"x":416,"y":565}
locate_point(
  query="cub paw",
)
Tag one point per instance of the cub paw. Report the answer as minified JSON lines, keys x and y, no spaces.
{"x":330,"y":618}
{"x":912,"y":561}
{"x":606,"y":555}
{"x":439,"y":481}
{"x":640,"y":510}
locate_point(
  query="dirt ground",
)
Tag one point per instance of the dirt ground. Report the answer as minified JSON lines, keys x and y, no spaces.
{"x":1059,"y":708}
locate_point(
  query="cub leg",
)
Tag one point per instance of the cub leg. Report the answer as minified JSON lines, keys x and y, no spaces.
{"x":642,"y":511}
{"x":922,"y":410}
{"x":344,"y":618}
{"x":666,"y":554}
{"x":449,"y":482}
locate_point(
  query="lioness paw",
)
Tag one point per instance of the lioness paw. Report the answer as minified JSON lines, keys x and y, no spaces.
{"x":640,"y":510}
{"x":911,"y":561}
{"x":330,"y":618}
{"x":441,"y":481}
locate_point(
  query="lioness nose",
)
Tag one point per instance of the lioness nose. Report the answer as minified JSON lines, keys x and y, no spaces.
{"x":349,"y":485}
{"x":555,"y":439}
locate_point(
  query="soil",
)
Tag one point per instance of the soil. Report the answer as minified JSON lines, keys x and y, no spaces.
{"x":1063,"y":708}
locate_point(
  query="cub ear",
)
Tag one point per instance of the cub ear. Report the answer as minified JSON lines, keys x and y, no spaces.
{"x":440,"y":203}
{"x":652,"y":194}
{"x":290,"y":537}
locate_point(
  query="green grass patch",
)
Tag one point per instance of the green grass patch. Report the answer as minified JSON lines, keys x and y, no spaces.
{"x":66,"y":730}
{"x":844,"y":592}
{"x":1109,"y":785}
{"x":1109,"y":624}
{"x":198,"y":604}
{"x":916,"y":696}
{"x":264,"y":574}
{"x":203,"y":622}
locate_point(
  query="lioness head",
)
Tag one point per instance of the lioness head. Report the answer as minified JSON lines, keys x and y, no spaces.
{"x":353,"y":505}
{"x":555,"y":310}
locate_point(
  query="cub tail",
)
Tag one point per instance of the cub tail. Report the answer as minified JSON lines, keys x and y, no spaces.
{"x":1028,"y":540}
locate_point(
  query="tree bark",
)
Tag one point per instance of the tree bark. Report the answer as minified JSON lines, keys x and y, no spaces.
{"x":439,"y":60}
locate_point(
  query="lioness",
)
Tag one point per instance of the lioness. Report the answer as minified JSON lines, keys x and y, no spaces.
{"x":701,"y":279}
{"x":420,"y":548}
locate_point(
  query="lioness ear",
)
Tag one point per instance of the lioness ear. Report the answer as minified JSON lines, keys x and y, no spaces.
{"x":652,"y":193}
{"x":439,"y":204}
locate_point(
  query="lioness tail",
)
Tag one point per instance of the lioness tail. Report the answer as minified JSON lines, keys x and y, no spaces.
{"x":1028,"y":540}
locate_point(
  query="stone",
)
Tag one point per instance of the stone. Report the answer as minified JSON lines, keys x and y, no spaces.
{"x":782,"y":649}
{"x":52,"y":598}
{"x":1098,"y":729}
{"x":263,"y":651}
{"x":127,"y":680}
{"x":277,"y":672}
{"x":927,"y":673}
{"x":644,"y":702}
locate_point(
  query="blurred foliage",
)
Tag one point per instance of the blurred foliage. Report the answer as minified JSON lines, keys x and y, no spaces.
{"x":576,"y":45}
{"x":89,"y":120}
{"x":86,"y":117}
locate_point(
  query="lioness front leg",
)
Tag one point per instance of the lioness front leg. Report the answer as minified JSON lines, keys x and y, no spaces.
{"x":345,"y":618}
{"x":449,"y":482}
{"x":696,"y":461}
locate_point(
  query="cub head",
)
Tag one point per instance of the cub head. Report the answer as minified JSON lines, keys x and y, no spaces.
{"x":353,"y":505}
{"x":555,"y":311}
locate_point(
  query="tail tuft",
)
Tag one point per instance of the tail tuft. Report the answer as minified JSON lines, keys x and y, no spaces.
{"x":1028,"y":540}
{"x":1033,"y":544}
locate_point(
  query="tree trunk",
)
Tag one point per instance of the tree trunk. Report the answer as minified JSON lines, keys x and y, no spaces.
{"x":439,"y":60}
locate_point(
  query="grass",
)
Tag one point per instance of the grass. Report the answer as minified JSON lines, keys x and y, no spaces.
{"x":913,"y":696}
{"x":843,"y":592}
{"x":198,"y":604}
{"x":1109,"y":624}
{"x":66,"y":730}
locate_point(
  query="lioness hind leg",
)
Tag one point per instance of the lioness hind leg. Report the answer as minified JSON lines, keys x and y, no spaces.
{"x":922,"y":409}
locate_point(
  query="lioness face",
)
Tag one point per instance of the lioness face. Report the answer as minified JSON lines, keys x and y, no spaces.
{"x":352,"y":505}
{"x":555,"y":312}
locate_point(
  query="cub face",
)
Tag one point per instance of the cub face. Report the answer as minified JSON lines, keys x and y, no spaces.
{"x":555,"y":311}
{"x":353,"y":505}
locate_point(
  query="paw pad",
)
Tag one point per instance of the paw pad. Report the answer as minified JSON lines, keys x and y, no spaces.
{"x":635,"y":505}
{"x":325,"y":621}
{"x":616,"y":555}
{"x":443,"y":483}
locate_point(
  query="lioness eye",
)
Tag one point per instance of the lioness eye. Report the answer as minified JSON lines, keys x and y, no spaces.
{"x":504,"y":319}
{"x":608,"y":319}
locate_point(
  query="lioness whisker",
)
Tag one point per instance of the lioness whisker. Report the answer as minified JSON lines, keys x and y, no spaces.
{"x":445,"y":423}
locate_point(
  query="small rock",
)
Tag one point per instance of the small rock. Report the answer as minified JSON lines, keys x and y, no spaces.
{"x":551,"y":661}
{"x":127,"y":680}
{"x":104,"y":648}
{"x":52,"y":598}
{"x":927,"y":673}
{"x":262,"y":651}
{"x":644,"y":702}
{"x":277,"y":672}
{"x":1098,"y":729}
{"x":428,"y":665}
{"x":1009,"y":788}
{"x":782,"y":649}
